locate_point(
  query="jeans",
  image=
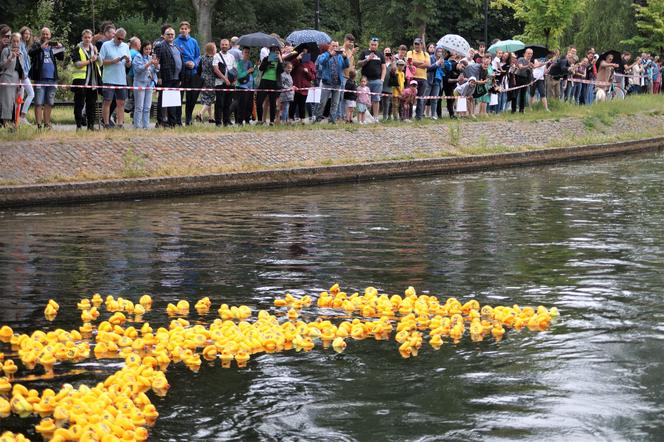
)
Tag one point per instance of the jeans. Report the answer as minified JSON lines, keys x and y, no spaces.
{"x":386,"y":103}
{"x":421,"y":89}
{"x":341,"y":109}
{"x":328,"y":92}
{"x":578,"y":87}
{"x":142,"y":104}
{"x":284,"y":111}
{"x":434,"y":92}
{"x":590,"y":94}
{"x":29,"y":96}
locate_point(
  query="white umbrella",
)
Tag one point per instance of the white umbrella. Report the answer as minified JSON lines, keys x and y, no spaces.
{"x":454,"y":43}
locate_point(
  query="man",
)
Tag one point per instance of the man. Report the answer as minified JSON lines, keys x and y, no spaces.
{"x":235,"y":50}
{"x":373,"y":67}
{"x":349,"y":50}
{"x":329,"y":67}
{"x":539,"y":85}
{"x":45,"y":71}
{"x":107,"y":35}
{"x":171,"y":70}
{"x":524,"y":74}
{"x":421,"y":60}
{"x":191,"y":55}
{"x":588,"y":89}
{"x":557,"y":70}
{"x":115,"y":58}
{"x":224,"y":65}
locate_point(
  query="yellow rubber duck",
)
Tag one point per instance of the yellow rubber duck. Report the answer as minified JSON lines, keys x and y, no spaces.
{"x":9,"y":368}
{"x":5,"y":408}
{"x":339,"y":345}
{"x":436,"y":341}
{"x":498,"y":331}
{"x":242,"y":358}
{"x":20,"y":405}
{"x":146,"y":301}
{"x":46,"y":428}
{"x":6,"y":334}
{"x":47,"y":360}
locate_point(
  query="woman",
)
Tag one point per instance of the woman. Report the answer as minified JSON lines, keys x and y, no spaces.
{"x":206,"y":70}
{"x":145,"y":76}
{"x":12,"y":70}
{"x":435,"y":75}
{"x":272,"y":66}
{"x":245,"y":82}
{"x":28,"y":90}
{"x":86,"y":72}
{"x":304,"y":73}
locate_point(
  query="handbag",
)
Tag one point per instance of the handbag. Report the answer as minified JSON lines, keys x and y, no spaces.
{"x":231,"y":74}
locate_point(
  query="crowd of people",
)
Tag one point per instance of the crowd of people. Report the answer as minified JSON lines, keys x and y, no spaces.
{"x":332,"y":82}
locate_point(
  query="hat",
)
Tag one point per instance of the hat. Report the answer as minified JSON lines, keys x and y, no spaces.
{"x":472,"y":79}
{"x":413,"y":82}
{"x":418,"y":40}
{"x":401,"y":62}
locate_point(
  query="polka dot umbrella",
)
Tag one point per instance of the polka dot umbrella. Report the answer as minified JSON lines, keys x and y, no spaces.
{"x":297,"y":38}
{"x":454,"y":43}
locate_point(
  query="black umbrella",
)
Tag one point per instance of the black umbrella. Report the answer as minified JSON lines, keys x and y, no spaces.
{"x":258,"y":40}
{"x":617,"y":58}
{"x":539,"y":51}
{"x":312,"y":48}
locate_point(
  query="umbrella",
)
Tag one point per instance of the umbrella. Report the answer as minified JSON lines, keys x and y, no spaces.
{"x":538,"y":51}
{"x":454,"y":43}
{"x":617,"y":58}
{"x":19,"y":103}
{"x":258,"y":40}
{"x":312,"y":48}
{"x":506,"y":45}
{"x":297,"y":38}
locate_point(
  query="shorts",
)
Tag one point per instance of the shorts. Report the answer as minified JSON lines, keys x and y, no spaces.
{"x":118,"y":94}
{"x":350,"y":103}
{"x":540,"y":86}
{"x":45,"y":95}
{"x":376,"y":88}
{"x":361,"y":108}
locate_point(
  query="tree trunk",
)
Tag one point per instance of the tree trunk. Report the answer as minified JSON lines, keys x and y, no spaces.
{"x":203,"y":10}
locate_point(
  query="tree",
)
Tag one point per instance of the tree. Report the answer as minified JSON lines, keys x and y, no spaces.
{"x":605,"y":31}
{"x":544,"y":19}
{"x":650,"y":25}
{"x":203,"y":9}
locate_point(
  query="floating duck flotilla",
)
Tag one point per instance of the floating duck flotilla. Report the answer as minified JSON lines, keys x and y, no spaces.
{"x":119,"y":409}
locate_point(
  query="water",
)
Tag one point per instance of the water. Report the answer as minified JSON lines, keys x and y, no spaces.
{"x":585,"y":237}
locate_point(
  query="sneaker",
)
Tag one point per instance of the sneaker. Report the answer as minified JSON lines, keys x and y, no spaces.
{"x":24,"y":121}
{"x":434,"y":117}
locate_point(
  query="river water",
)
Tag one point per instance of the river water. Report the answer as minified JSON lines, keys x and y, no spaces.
{"x":585,"y":237}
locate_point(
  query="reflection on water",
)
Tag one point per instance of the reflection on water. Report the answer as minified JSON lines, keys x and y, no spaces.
{"x":584,"y":237}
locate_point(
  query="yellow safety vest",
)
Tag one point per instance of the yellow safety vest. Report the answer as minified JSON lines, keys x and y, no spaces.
{"x":82,"y":72}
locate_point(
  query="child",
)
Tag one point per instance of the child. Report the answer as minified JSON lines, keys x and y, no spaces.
{"x":398,"y":89}
{"x":465,"y":91}
{"x":363,"y":99}
{"x":408,"y":98}
{"x":350,"y":96}
{"x":288,"y":95}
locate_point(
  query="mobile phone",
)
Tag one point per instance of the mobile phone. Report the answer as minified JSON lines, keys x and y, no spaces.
{"x":52,"y":43}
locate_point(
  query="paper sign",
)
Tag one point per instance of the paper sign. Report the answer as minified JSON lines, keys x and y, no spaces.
{"x":171,"y":99}
{"x":56,"y":51}
{"x":494,"y":100}
{"x":314,"y":95}
{"x":462,"y":104}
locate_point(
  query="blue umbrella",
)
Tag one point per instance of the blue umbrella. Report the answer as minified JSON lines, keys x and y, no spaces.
{"x":297,"y":38}
{"x":507,"y":46}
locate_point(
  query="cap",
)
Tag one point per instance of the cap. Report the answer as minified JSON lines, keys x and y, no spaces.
{"x":472,"y":79}
{"x":401,"y":62}
{"x":413,"y":82}
{"x":417,"y":40}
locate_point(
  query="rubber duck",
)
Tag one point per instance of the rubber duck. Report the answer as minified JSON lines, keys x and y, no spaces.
{"x":226,"y":358}
{"x":436,"y":341}
{"x":242,"y":358}
{"x":46,"y":428}
{"x":339,"y":345}
{"x":139,"y":310}
{"x":171,"y":309}
{"x":6,"y":334}
{"x":5,"y":386}
{"x":292,"y":314}
{"x":97,"y":300}
{"x":20,"y":405}
{"x":498,"y":331}
{"x":47,"y":360}
{"x":146,"y":301}
{"x":9,"y":368}
{"x":210,"y":353}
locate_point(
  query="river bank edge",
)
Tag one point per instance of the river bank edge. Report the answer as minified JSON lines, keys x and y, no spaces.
{"x":133,"y":188}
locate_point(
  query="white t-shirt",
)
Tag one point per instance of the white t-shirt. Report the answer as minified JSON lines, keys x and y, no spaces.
{"x":496,"y":63}
{"x":230,"y":61}
{"x":538,"y":73}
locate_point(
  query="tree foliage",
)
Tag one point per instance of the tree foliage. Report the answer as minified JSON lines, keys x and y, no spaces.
{"x":604,"y":31}
{"x":545,"y":20}
{"x":650,"y":25}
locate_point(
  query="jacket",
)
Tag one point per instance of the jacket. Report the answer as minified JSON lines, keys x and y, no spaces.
{"x":8,"y":73}
{"x":143,"y":76}
{"x":82,"y":73}
{"x":37,"y":61}
{"x":301,"y":79}
{"x":189,"y":49}
{"x":324,"y":70}
{"x":167,"y":62}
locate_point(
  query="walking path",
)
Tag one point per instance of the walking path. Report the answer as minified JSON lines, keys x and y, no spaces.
{"x":123,"y":156}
